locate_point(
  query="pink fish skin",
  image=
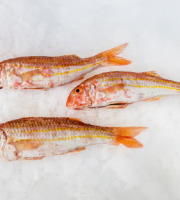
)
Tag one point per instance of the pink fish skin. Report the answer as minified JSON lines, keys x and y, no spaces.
{"x":38,"y":72}
{"x":119,"y":89}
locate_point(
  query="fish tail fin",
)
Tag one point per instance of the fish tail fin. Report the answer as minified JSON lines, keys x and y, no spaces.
{"x":111,"y":58}
{"x":125,"y":136}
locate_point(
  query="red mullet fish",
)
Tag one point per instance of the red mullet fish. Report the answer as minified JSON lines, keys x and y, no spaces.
{"x":47,"y":72}
{"x":35,"y":138}
{"x":120,"y":89}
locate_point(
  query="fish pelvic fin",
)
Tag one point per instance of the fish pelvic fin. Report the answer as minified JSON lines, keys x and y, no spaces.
{"x":125,"y":136}
{"x":111,"y":57}
{"x":153,"y":99}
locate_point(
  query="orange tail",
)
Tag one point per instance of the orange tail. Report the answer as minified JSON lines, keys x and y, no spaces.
{"x":125,"y":136}
{"x":112,"y":58}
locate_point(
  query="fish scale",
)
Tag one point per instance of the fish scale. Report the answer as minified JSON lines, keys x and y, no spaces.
{"x":35,"y":138}
{"x":38,"y":72}
{"x":119,"y":89}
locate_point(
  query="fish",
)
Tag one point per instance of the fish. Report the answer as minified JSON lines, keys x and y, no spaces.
{"x":119,"y":89}
{"x":34,"y":138}
{"x":41,"y":72}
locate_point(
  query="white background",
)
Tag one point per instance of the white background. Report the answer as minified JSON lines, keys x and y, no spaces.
{"x":85,"y":28}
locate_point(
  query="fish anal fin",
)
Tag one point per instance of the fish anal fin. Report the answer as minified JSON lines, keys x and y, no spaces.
{"x":153,"y":99}
{"x":77,"y":150}
{"x":117,"y":106}
{"x":152,"y":73}
{"x":34,"y":158}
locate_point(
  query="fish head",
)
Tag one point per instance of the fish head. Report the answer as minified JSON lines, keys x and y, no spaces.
{"x":79,"y":97}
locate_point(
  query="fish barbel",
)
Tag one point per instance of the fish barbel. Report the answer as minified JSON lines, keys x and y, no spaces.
{"x":119,"y":89}
{"x":46,"y":72}
{"x":35,"y":138}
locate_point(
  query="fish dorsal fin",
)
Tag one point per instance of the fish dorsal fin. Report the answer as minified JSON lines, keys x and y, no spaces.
{"x":152,"y":73}
{"x":70,"y":57}
{"x":75,"y":119}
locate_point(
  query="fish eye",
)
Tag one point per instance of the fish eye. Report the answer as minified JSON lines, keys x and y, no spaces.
{"x":78,"y":90}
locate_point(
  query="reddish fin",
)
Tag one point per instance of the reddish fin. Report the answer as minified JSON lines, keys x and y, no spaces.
{"x":34,"y":158}
{"x":28,"y":75}
{"x":130,"y":142}
{"x":26,"y":145}
{"x":75,"y":119}
{"x":77,"y":150}
{"x":117,"y":106}
{"x":113,"y":89}
{"x":124,"y":135}
{"x":70,"y":57}
{"x":153,"y":99}
{"x":112,"y":58}
{"x":152,"y":73}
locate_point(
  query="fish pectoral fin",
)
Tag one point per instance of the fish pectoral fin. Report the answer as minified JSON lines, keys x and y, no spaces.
{"x":27,"y":145}
{"x":152,"y":73}
{"x":113,"y":89}
{"x":77,"y":150}
{"x":28,"y":75}
{"x":153,"y":99}
{"x":117,"y":106}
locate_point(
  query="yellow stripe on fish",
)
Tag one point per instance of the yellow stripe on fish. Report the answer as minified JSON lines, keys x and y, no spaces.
{"x":27,"y":70}
{"x":139,"y":79}
{"x":66,"y":138}
{"x":76,"y":70}
{"x":154,"y":86}
{"x":107,"y":89}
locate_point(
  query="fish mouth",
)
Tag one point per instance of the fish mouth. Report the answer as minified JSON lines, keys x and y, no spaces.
{"x":71,"y":106}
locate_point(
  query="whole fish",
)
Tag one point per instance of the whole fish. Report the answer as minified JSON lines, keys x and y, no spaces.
{"x":35,"y":138}
{"x":46,"y":72}
{"x":120,"y":89}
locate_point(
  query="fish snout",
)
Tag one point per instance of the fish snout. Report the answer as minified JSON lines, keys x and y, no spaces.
{"x":70,"y":102}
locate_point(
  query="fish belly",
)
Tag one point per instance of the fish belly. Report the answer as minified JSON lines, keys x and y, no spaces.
{"x":134,"y":94}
